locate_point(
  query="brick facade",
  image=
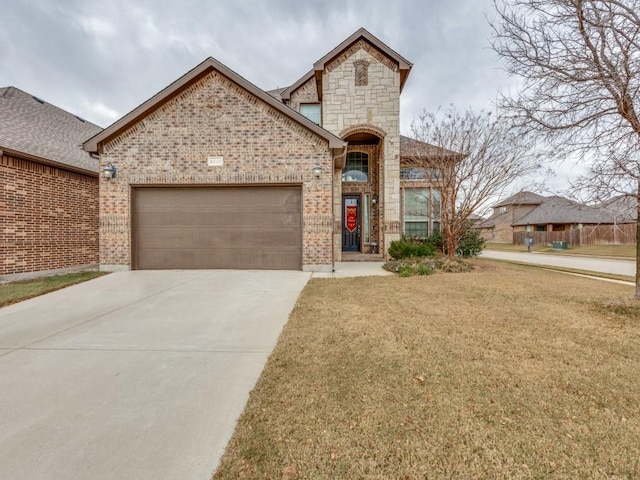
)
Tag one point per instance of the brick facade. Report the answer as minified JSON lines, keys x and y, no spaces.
{"x":48,"y":217}
{"x":216,"y":117}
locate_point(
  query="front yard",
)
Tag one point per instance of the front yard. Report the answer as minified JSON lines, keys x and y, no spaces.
{"x":504,"y":372}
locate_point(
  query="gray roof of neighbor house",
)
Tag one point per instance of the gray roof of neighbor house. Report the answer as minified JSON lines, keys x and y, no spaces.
{"x":36,"y":129}
{"x":562,"y":210}
{"x":521,"y":198}
{"x":623,"y":208}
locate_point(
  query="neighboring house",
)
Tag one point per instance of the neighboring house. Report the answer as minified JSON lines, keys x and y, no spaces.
{"x":48,"y":188}
{"x":527,"y":212}
{"x":213,"y":172}
{"x":622,"y":208}
{"x":557,"y":214}
{"x":499,"y":226}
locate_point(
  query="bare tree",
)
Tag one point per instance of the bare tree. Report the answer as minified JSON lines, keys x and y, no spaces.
{"x":579,"y":63}
{"x":477,"y":158}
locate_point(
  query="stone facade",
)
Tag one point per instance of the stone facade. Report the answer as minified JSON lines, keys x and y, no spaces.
{"x":48,"y":218}
{"x":347,"y":107}
{"x":361,"y":94}
{"x":216,"y":117}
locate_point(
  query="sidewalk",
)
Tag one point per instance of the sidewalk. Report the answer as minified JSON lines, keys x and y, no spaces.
{"x":354,"y":269}
{"x":591,"y":264}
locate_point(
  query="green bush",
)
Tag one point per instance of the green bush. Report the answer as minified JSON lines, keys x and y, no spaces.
{"x":439,"y":263}
{"x":411,"y":247}
{"x":470,"y":244}
{"x":423,"y":269}
{"x":405,"y":271}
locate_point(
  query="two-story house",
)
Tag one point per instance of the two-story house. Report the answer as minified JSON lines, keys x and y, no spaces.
{"x":213,"y":172}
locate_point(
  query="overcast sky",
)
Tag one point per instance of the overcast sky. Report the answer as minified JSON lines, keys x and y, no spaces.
{"x":100,"y":59}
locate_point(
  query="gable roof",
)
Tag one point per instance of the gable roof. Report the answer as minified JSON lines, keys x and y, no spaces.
{"x":208,"y":65}
{"x":562,"y":210}
{"x":285,"y":94}
{"x":277,"y":93}
{"x":404,"y":65}
{"x":623,"y":208}
{"x":521,"y":198}
{"x":31,"y":127}
{"x":412,"y":149}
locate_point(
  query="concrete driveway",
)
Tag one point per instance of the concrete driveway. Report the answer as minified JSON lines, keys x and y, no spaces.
{"x":137,"y":374}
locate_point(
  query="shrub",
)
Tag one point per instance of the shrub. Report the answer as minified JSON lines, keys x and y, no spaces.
{"x":408,"y":267}
{"x":405,"y":271}
{"x":423,"y":269}
{"x":470,"y":244}
{"x":411,"y":247}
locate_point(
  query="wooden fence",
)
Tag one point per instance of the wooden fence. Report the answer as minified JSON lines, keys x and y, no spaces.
{"x":624,"y":234}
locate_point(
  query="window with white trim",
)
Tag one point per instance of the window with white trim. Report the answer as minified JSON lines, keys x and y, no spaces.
{"x":311,"y":111}
{"x":421,"y":212}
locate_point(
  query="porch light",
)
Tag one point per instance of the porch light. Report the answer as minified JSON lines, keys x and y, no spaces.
{"x":317,"y":170}
{"x":109,"y":171}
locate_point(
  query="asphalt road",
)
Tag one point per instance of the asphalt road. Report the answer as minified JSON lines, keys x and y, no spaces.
{"x":602,"y":265}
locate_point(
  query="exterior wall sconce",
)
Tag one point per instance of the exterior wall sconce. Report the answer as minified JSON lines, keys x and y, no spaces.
{"x":374,"y":199}
{"x":109,"y":171}
{"x":317,"y":170}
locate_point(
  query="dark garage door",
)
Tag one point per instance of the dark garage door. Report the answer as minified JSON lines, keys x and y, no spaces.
{"x":217,"y":227}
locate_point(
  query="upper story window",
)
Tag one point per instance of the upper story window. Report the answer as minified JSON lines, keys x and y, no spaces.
{"x":311,"y":111}
{"x":362,"y":73}
{"x":356,"y":167}
{"x":419,"y":173}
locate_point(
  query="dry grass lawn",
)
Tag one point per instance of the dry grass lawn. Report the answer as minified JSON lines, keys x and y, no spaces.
{"x":506,"y":372}
{"x":14,"y":292}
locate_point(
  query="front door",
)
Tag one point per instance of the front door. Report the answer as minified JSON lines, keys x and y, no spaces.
{"x":351,"y":224}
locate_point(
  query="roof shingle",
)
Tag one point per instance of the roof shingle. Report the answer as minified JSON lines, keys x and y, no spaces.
{"x":31,"y":126}
{"x":561,"y":210}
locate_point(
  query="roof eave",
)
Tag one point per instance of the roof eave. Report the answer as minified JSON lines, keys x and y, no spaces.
{"x":286,"y":94}
{"x":46,"y":161}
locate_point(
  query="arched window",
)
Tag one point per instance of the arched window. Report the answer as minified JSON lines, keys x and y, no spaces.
{"x":356,"y":167}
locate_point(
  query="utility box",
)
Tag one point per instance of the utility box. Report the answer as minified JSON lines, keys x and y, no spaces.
{"x":559,"y":245}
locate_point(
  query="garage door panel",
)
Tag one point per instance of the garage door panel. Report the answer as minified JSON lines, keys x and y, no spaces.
{"x":218,"y":227}
{"x":267,"y":258}
{"x":209,"y":238}
{"x":286,"y":197}
{"x":165,"y":216}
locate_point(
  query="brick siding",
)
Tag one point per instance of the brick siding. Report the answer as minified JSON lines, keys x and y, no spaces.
{"x":216,"y":117}
{"x":48,"y":217}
